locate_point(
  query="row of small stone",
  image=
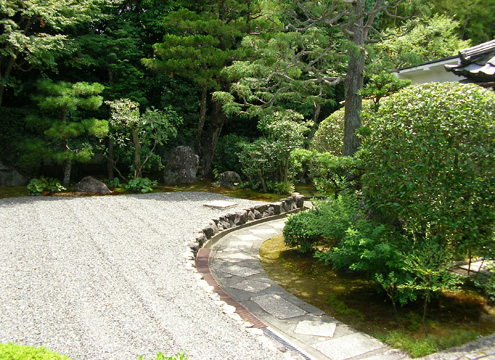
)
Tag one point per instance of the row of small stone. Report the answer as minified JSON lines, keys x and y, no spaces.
{"x":239,"y":218}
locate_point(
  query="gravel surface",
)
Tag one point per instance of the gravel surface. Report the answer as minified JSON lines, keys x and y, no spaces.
{"x":105,"y":278}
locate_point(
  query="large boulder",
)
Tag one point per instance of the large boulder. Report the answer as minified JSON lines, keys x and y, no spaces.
{"x":229,"y":179}
{"x":10,"y":176}
{"x":89,"y":184}
{"x":181,"y":167}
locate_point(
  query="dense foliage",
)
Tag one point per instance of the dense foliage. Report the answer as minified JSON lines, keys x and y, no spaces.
{"x":62,"y":126}
{"x":427,"y":194}
{"x":429,"y":162}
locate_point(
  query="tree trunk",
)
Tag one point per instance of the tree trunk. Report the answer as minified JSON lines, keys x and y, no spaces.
{"x":202,"y":117}
{"x":354,"y":83}
{"x":5,"y":76}
{"x":110,"y":159}
{"x":138,"y":171}
{"x":210,"y":142}
{"x":67,"y":172}
{"x":425,"y":307}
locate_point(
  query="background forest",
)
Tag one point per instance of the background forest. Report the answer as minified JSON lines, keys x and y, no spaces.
{"x":108,"y":87}
{"x":276,"y":91}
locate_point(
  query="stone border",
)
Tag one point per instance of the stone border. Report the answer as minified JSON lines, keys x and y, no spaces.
{"x":217,"y":228}
{"x":213,"y":232}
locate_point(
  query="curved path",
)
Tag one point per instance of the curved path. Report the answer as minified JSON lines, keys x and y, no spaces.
{"x":299,"y":327}
{"x":105,"y":278}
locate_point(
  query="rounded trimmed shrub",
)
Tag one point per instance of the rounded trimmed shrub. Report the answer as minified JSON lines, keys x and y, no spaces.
{"x":429,"y":161}
{"x":330,"y":134}
{"x":300,"y":231}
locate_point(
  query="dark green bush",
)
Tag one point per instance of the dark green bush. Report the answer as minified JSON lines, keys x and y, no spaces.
{"x":330,"y":134}
{"x":37,"y":186}
{"x":326,"y":224}
{"x":300,"y":231}
{"x":329,"y":173}
{"x":226,"y":158}
{"x":429,"y":163}
{"x":142,"y":185}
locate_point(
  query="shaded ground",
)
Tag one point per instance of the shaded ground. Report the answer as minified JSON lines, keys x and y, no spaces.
{"x":357,"y":303}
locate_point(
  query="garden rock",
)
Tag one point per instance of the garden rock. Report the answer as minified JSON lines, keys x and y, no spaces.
{"x":181,"y":167}
{"x":229,"y":179}
{"x":10,"y":176}
{"x":89,"y":184}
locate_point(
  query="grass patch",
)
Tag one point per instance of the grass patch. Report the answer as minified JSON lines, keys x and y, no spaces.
{"x":160,"y":356}
{"x":13,"y":191}
{"x":21,"y":352}
{"x":453,"y":318}
{"x":418,"y":346}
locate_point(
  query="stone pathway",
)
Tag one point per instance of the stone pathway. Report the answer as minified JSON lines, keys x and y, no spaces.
{"x":300,"y":327}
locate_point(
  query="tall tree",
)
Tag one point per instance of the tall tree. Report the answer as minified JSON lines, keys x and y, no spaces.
{"x":430,"y":39}
{"x":32,"y":34}
{"x":205,"y":39}
{"x":352,"y":19}
{"x":62,"y":128}
{"x":356,"y":19}
{"x":476,"y":17}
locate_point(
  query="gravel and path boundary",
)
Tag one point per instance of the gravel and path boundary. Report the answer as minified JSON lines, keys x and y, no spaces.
{"x":101,"y":278}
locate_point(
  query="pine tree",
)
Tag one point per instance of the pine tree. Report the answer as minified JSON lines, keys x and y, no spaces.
{"x":63,"y":127}
{"x":207,"y":38}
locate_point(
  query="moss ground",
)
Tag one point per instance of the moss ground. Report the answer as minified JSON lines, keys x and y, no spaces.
{"x":453,"y":318}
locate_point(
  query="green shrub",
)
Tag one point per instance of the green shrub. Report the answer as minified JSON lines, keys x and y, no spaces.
{"x":284,"y":188}
{"x":143,"y":185}
{"x":400,"y":267}
{"x":114,"y":183}
{"x":37,"y":186}
{"x":160,"y":356}
{"x":268,"y":158}
{"x":226,"y":154}
{"x":329,"y":137}
{"x":300,"y":231}
{"x":429,"y":162}
{"x":21,"y":352}
{"x":329,"y":173}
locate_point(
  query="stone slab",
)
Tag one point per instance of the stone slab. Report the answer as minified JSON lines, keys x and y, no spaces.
{"x":247,"y":237}
{"x":264,"y":231}
{"x":315,"y":328}
{"x":349,"y":346}
{"x":279,"y":225}
{"x":278,"y":306}
{"x":240,"y":271}
{"x":393,"y":354}
{"x":233,"y":257}
{"x":220,"y":204}
{"x":251,"y":286}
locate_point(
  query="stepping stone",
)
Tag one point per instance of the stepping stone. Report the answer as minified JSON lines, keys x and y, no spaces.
{"x":279,"y":225}
{"x":240,"y":271}
{"x":251,"y":286}
{"x":220,"y":204}
{"x":234,"y":257}
{"x":247,"y":237}
{"x":348,"y":346}
{"x":263,"y":231}
{"x":278,"y":307}
{"x":315,"y":328}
